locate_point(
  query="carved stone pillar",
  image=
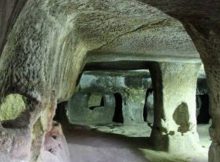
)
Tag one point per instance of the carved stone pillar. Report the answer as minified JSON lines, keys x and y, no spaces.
{"x":174,"y":129}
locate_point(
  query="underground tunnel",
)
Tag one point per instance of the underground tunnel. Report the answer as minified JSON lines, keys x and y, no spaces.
{"x":109,"y":80}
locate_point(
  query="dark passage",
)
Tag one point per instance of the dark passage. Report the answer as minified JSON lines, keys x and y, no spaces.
{"x":118,"y":115}
{"x":102,"y":102}
{"x":203,"y":114}
{"x":60,"y":115}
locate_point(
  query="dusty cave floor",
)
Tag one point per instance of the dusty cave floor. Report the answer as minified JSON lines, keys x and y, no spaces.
{"x":117,"y":143}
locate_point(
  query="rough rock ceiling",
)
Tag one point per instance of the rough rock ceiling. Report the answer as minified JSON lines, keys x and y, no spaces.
{"x":124,"y":29}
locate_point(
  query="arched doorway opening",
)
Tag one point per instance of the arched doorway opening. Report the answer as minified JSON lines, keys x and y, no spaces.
{"x":202,"y":101}
{"x":118,"y":114}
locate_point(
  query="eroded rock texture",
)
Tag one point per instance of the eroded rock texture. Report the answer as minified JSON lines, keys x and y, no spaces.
{"x":9,"y":11}
{"x":55,"y":146}
{"x":52,"y":40}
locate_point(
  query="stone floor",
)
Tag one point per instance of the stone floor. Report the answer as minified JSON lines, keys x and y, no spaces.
{"x":115,"y":143}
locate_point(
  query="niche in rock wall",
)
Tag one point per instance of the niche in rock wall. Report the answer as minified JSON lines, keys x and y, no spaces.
{"x":13,"y":111}
{"x":96,"y":101}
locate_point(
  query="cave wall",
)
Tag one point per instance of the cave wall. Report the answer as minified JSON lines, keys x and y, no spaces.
{"x":9,"y":11}
{"x":84,"y":108}
{"x":85,"y":105}
{"x":50,"y":30}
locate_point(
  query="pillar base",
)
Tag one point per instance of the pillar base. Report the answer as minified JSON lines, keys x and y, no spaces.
{"x":175,"y":142}
{"x":214,"y":152}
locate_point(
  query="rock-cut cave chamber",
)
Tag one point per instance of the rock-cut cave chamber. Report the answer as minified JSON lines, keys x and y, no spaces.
{"x":109,"y":80}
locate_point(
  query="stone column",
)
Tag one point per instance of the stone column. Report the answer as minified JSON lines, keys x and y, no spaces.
{"x":175,"y":127}
{"x":206,"y":38}
{"x":213,"y":78}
